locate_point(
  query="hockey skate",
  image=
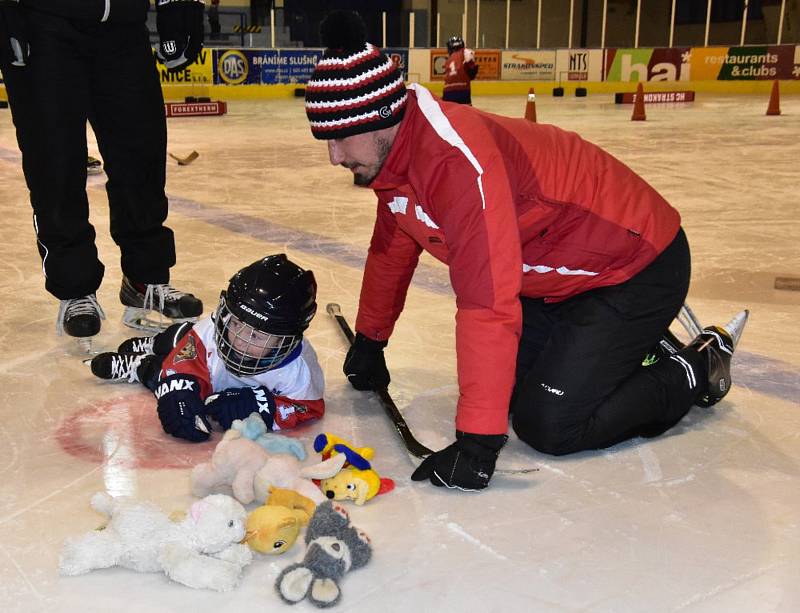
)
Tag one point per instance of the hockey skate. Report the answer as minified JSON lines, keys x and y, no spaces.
{"x":93,"y":166}
{"x":154,"y":307}
{"x":718,"y":344}
{"x":137,"y":345}
{"x":80,"y":317}
{"x":117,"y":367}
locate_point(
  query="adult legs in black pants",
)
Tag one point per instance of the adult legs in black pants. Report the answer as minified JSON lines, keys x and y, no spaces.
{"x":580,"y":379}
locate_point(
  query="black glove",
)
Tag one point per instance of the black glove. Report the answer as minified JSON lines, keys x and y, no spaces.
{"x":180,"y":32}
{"x":14,"y":48}
{"x":365,"y":365}
{"x":238,"y":402}
{"x":467,"y":464}
{"x":180,"y":408}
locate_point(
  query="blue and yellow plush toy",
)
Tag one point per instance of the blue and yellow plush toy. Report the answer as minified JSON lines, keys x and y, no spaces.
{"x":357,"y":481}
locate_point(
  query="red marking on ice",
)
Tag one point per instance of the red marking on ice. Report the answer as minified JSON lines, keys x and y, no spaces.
{"x":125,"y":431}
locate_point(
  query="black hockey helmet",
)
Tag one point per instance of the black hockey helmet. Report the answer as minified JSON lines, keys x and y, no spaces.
{"x":262,"y":315}
{"x":454,"y":43}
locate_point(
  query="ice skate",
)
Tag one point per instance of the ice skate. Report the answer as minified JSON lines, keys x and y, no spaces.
{"x":93,"y":166}
{"x":718,"y":344}
{"x":117,"y":367}
{"x":137,"y":345}
{"x":80,"y":317}
{"x":154,"y":307}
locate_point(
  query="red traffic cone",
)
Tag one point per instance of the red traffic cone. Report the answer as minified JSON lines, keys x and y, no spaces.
{"x":530,"y":106}
{"x":774,"y":107}
{"x":638,"y":105}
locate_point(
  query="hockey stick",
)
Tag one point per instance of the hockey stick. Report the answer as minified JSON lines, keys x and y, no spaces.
{"x":413,"y":446}
{"x":187,"y":160}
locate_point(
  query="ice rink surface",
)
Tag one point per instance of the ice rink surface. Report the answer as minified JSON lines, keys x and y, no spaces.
{"x":705,"y":518}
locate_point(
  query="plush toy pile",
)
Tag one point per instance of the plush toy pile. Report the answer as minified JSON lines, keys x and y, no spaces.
{"x":209,"y":546}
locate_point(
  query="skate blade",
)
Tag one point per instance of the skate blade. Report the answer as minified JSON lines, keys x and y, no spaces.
{"x":86,"y":346}
{"x":735,"y":327}
{"x":689,"y":321}
{"x":149,"y":321}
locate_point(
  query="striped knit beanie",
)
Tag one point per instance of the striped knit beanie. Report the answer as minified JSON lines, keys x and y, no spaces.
{"x":355,"y":88}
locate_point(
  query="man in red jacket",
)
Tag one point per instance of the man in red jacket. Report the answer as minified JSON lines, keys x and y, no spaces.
{"x":568,"y":268}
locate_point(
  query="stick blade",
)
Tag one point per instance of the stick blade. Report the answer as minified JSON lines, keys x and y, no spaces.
{"x":187,"y":160}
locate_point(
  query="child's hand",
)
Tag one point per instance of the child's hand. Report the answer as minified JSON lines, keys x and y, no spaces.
{"x":238,"y":402}
{"x":180,"y":408}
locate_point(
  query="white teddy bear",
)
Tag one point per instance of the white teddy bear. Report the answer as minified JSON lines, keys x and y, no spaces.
{"x":203,"y":550}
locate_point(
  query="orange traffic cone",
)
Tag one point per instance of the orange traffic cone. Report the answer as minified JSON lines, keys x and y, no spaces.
{"x":774,"y":107}
{"x":530,"y":106}
{"x":638,"y":105}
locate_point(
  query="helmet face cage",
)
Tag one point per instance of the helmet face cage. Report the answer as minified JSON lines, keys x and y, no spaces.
{"x":246,"y":350}
{"x":454,"y":43}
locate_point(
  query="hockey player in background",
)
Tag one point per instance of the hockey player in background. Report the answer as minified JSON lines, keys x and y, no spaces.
{"x":567,"y":267}
{"x":68,"y":61}
{"x":249,"y":356}
{"x":460,"y":70}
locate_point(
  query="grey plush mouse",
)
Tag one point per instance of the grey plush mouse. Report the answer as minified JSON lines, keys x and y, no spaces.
{"x":334,"y":547}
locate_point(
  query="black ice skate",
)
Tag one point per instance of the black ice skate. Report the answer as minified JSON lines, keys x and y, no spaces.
{"x":137,"y":345}
{"x":93,"y":166}
{"x":141,"y":301}
{"x":718,"y":344}
{"x":117,"y":367}
{"x":80,"y":317}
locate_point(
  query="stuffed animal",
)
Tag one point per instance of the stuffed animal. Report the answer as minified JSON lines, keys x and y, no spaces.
{"x":357,"y":480}
{"x":250,"y":471}
{"x":334,"y":548}
{"x":273,"y":527}
{"x":201,"y":551}
{"x":254,"y":428}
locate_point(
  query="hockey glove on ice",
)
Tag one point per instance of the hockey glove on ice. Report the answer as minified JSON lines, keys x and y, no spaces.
{"x":365,"y":365}
{"x":180,"y":32}
{"x":14,"y":47}
{"x":238,"y":402}
{"x":467,"y":464}
{"x":180,"y":408}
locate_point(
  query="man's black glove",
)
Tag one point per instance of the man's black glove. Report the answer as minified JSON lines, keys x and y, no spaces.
{"x":365,"y":365}
{"x":238,"y":402}
{"x":180,"y":408}
{"x":467,"y":464}
{"x":14,"y":48}
{"x":180,"y":32}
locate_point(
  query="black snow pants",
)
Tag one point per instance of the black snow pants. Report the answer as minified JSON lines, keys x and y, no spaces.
{"x":580,"y":380}
{"x":103,"y":73}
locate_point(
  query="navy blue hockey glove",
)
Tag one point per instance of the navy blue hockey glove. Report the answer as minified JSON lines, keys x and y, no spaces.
{"x":467,"y":464}
{"x":14,"y":48}
{"x":365,"y":365}
{"x":238,"y":402}
{"x":180,"y":32}
{"x":180,"y":408}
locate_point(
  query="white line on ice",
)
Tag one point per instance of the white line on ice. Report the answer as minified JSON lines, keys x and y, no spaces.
{"x":454,"y":527}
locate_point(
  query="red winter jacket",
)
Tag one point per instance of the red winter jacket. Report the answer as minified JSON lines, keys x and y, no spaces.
{"x":513,"y":208}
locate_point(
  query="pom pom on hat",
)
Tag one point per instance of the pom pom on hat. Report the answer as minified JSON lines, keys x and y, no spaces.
{"x":343,"y":33}
{"x":355,"y":88}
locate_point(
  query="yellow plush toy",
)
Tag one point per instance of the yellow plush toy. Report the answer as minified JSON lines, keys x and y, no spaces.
{"x":273,"y":527}
{"x":357,"y":481}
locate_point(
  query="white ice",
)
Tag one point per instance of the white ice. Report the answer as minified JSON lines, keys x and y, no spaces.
{"x":704,"y":518}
